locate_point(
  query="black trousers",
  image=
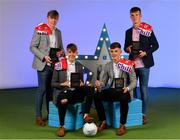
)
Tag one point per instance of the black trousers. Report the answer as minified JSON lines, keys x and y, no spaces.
{"x":80,"y":94}
{"x":112,"y":95}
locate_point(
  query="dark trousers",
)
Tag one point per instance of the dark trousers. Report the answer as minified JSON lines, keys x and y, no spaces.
{"x":112,"y":95}
{"x":80,"y":94}
{"x":44,"y":88}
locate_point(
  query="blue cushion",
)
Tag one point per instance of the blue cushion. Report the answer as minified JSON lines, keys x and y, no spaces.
{"x":73,"y":119}
{"x":112,"y":110}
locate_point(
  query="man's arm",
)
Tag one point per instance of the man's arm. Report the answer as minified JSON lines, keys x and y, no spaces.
{"x":133,"y":80}
{"x":35,"y":44}
{"x":127,"y":45}
{"x":104,"y":78}
{"x":153,"y":44}
{"x":60,"y":41}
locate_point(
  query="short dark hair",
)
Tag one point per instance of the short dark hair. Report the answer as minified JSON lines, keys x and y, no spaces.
{"x":115,"y":45}
{"x":71,"y":47}
{"x":53,"y":14}
{"x":135,"y":9}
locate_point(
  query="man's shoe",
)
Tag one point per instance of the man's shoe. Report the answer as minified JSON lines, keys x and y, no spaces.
{"x":102,"y":126}
{"x":121,"y":130}
{"x":145,"y":119}
{"x":88,"y":119}
{"x":60,"y":131}
{"x":40,"y":122}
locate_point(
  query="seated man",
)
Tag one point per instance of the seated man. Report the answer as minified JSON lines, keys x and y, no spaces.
{"x":65,"y":94}
{"x":109,"y":91}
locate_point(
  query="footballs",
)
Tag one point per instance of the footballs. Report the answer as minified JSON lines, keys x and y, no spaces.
{"x":89,"y":129}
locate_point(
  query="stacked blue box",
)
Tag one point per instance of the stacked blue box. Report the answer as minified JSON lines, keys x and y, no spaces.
{"x":134,"y":114}
{"x":73,"y":119}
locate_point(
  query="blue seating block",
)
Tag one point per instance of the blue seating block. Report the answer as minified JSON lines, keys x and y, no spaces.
{"x":112,"y":110}
{"x":73,"y":119}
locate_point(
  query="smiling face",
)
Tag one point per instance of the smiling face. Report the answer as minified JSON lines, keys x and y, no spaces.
{"x":71,"y":56}
{"x":115,"y":54}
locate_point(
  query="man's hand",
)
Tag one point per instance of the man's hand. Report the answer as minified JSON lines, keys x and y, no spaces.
{"x":98,"y":83}
{"x":125,"y":89}
{"x":64,"y":101}
{"x":66,"y":84}
{"x":47,"y":59}
{"x":142,"y":54}
{"x":128,"y":49}
{"x":81,"y":83}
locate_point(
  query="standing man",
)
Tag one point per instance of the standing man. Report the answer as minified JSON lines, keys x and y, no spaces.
{"x":40,"y":47}
{"x":110,"y":92}
{"x":140,"y":47}
{"x":65,"y":94}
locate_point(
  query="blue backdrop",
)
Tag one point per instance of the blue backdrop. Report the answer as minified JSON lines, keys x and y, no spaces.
{"x":81,"y":22}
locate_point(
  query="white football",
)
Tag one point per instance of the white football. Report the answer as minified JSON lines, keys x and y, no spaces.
{"x":89,"y":129}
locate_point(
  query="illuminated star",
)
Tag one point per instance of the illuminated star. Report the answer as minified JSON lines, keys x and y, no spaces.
{"x":93,"y":63}
{"x":101,"y":57}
